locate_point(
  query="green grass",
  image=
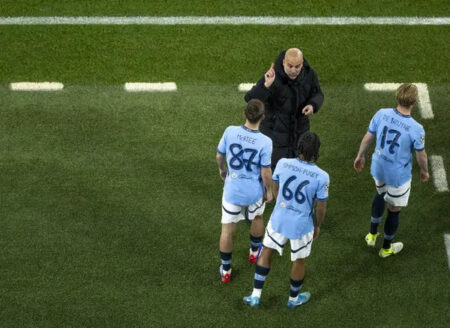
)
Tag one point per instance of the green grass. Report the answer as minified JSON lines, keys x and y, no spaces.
{"x":110,"y":201}
{"x":221,"y":8}
{"x":106,"y":55}
{"x":111,"y":207}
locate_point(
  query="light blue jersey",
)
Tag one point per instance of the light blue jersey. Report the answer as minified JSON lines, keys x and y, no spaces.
{"x":246,"y":152}
{"x":300,"y":185}
{"x":398,"y":136}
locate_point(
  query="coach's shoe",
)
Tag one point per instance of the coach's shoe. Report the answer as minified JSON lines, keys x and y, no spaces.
{"x":254,"y":256}
{"x":251,"y":300}
{"x":302,"y":298}
{"x":371,"y":239}
{"x":395,"y":248}
{"x":225,"y":275}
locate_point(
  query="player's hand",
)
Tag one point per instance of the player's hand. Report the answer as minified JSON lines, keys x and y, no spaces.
{"x":269,"y":77}
{"x":308,"y":110}
{"x":316,"y":233}
{"x":358,"y":164}
{"x":223,"y":174}
{"x":424,"y":176}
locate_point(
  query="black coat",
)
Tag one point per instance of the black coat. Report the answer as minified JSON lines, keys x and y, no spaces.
{"x":284,"y":122}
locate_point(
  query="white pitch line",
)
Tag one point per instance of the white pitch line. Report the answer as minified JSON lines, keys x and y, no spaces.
{"x":438,"y":173}
{"x":245,"y":86}
{"x":221,"y":20}
{"x":150,"y":87}
{"x":447,"y":247}
{"x":36,"y":86}
{"x":424,"y":103}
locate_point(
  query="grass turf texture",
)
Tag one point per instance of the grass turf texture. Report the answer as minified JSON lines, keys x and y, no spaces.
{"x":111,"y":201}
{"x":111,"y":206}
{"x":220,"y":54}
{"x":229,"y":8}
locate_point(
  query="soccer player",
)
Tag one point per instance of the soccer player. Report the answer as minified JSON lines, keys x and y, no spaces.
{"x":244,"y":160}
{"x":302,"y":185}
{"x":397,"y":135}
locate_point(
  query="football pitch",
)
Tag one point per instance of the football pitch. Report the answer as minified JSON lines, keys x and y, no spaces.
{"x":111,"y":200}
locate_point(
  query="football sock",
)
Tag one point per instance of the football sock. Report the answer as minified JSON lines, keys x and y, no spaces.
{"x":390,"y":228}
{"x":260,"y":276}
{"x":255,"y":243}
{"x":226,"y":261}
{"x":377,"y":212}
{"x":296,"y":285}
{"x":374,"y":222}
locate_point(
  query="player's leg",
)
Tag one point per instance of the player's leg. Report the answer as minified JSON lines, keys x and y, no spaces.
{"x":255,"y":215}
{"x":231,"y":214}
{"x":256,"y":235}
{"x":300,"y":249}
{"x":273,"y":241}
{"x":297,"y":277}
{"x":390,"y":229}
{"x":378,"y":205}
{"x":397,"y":198}
{"x":226,"y":247}
{"x":262,"y":269}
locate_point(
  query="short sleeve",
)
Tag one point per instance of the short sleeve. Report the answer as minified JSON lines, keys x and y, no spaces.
{"x":373,"y":126}
{"x":222,"y":147}
{"x":276,"y":173}
{"x":266,"y":154}
{"x":324,"y":185}
{"x":419,"y":139}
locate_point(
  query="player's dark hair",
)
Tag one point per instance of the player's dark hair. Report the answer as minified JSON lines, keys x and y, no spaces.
{"x":308,"y":146}
{"x":254,"y":110}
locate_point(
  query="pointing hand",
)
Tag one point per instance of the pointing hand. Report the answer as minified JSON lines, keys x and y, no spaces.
{"x":269,"y":77}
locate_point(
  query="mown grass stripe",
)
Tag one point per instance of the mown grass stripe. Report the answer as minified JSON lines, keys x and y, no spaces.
{"x":221,"y":20}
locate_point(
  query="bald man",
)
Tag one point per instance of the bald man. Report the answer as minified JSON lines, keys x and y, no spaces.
{"x":291,"y":93}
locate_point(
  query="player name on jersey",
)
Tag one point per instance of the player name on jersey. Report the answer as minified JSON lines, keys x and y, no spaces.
{"x":246,"y":139}
{"x":300,"y":170}
{"x":396,"y":122}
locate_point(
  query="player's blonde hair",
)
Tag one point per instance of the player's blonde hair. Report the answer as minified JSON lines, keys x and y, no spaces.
{"x":406,"y":94}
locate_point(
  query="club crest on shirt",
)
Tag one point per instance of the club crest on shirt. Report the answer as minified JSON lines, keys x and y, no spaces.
{"x":283,"y":204}
{"x":234,"y":175}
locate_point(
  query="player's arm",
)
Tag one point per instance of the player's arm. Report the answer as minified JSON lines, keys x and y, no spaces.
{"x":261,"y":90}
{"x":266,"y":174}
{"x":275,"y":188}
{"x":422,"y":159}
{"x":315,"y":99}
{"x":221,"y":163}
{"x":359,"y":162}
{"x":321,"y":210}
